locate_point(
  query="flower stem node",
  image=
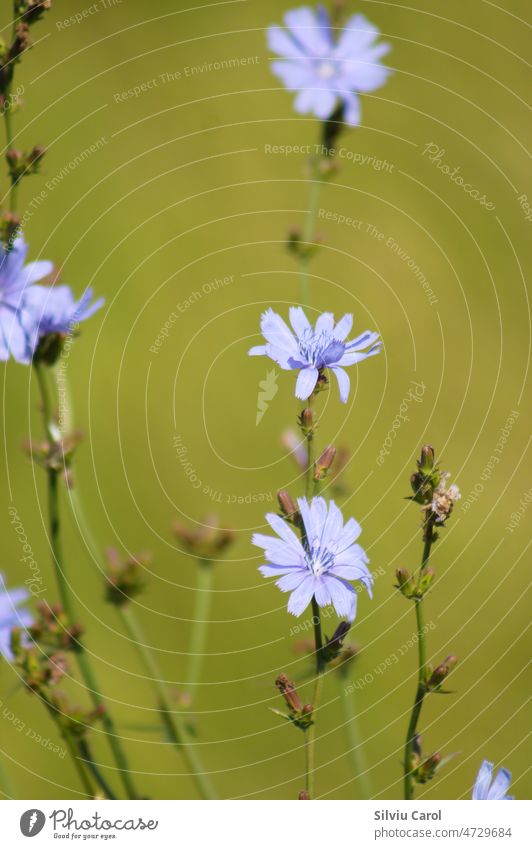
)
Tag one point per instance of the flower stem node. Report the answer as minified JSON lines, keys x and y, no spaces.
{"x":300,"y":715}
{"x":52,"y":629}
{"x":31,"y":10}
{"x":56,"y":456}
{"x":125,"y":578}
{"x":9,"y":229}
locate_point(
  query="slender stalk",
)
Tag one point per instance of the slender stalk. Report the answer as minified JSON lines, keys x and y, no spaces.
{"x":200,"y":627}
{"x":172,"y":720}
{"x":84,"y":663}
{"x":309,"y":479}
{"x":352,"y":735}
{"x":308,"y":234}
{"x":8,"y":123}
{"x":310,"y":734}
{"x":422,"y":677}
{"x":86,"y":754}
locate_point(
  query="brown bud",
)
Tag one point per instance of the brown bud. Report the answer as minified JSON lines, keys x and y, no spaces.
{"x":324,"y":463}
{"x":442,"y":671}
{"x":287,"y":504}
{"x":304,"y":794}
{"x":289,"y":693}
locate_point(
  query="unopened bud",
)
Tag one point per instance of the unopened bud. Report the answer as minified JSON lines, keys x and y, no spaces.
{"x":442,"y":671}
{"x":324,"y":463}
{"x":288,"y":506}
{"x":304,"y":794}
{"x":306,"y":421}
{"x":405,"y":583}
{"x":426,"y":463}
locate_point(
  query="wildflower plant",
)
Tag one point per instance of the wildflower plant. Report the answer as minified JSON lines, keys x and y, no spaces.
{"x":430,"y":491}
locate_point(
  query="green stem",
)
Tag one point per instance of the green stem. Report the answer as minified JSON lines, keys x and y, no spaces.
{"x":84,"y":663}
{"x":308,"y":235}
{"x":309,"y":481}
{"x":69,"y":743}
{"x":172,"y":720}
{"x":422,"y":676}
{"x":352,"y":735}
{"x":316,"y":698}
{"x":86,"y":754}
{"x":200,"y":627}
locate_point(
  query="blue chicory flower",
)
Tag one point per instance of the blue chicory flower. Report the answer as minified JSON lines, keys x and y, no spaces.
{"x":55,"y":309}
{"x":11,"y":616}
{"x":325,"y":70}
{"x":312,"y":350}
{"x":18,"y":331}
{"x":489,"y":788}
{"x":322,"y":566}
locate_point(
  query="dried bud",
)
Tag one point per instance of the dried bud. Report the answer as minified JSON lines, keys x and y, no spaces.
{"x":304,"y":794}
{"x":205,"y":542}
{"x":300,"y":715}
{"x":125,"y":578}
{"x":288,"y":507}
{"x":289,"y":693}
{"x":31,"y":10}
{"x":443,"y":499}
{"x":441,"y":672}
{"x":324,"y":463}
{"x":34,"y":158}
{"x":20,"y":43}
{"x":427,"y":769}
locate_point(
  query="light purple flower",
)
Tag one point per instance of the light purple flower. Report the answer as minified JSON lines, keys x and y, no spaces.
{"x":312,"y":350}
{"x":18,"y":332}
{"x":10,"y":616}
{"x":321,"y":567}
{"x":489,"y":788}
{"x":324,"y":69}
{"x":55,"y":309}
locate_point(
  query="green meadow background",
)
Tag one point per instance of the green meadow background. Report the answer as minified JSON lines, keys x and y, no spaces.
{"x":172,"y":201}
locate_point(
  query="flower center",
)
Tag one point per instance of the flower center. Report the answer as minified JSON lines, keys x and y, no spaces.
{"x":319,"y":560}
{"x":322,"y":350}
{"x":326,"y":70}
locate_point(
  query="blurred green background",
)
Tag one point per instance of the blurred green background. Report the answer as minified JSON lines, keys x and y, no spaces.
{"x":180,"y":191}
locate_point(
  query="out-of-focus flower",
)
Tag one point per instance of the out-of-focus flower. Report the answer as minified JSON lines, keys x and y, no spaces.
{"x":311,"y":350}
{"x":11,"y":615}
{"x":324,"y":70}
{"x":205,"y":542}
{"x":487,"y":787}
{"x":56,"y":310}
{"x":18,"y":330}
{"x":323,"y":566}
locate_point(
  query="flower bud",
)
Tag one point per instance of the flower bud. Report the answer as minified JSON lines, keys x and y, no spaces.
{"x":125,"y":578}
{"x":306,"y":421}
{"x":405,"y":583}
{"x":324,"y":463}
{"x":205,"y":542}
{"x":441,"y":672}
{"x":304,"y":794}
{"x":424,"y":582}
{"x":426,"y":463}
{"x":288,"y":507}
